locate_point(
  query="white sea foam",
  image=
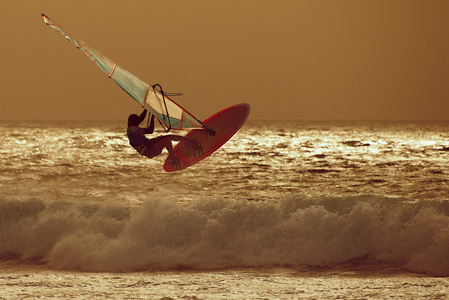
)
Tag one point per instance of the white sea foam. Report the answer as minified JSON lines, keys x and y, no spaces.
{"x":97,"y":205}
{"x":213,"y":233}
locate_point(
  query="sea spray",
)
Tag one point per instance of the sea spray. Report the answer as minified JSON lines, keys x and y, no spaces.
{"x":216,"y":232}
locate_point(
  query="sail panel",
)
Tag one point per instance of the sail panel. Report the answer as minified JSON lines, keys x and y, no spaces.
{"x":166,"y":110}
{"x":135,"y":87}
{"x":171,"y":112}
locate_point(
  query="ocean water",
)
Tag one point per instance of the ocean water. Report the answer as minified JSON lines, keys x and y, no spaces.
{"x":313,"y":210}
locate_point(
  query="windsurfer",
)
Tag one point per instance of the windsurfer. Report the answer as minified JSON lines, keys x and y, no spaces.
{"x":153,"y":147}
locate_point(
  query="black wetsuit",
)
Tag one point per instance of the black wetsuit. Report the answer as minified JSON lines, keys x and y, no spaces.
{"x":139,"y":141}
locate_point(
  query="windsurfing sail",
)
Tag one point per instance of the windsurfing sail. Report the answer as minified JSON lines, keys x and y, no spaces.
{"x":170,"y":114}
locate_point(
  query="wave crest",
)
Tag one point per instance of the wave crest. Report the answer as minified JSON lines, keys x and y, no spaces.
{"x":222,"y":233}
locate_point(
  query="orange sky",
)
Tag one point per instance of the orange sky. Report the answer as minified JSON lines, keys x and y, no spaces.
{"x":296,"y":60}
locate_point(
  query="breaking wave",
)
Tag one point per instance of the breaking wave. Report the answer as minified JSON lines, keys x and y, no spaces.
{"x":221,"y":233}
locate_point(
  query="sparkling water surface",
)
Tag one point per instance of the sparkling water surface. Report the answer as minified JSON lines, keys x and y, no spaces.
{"x":283,"y":210}
{"x":265,"y":161}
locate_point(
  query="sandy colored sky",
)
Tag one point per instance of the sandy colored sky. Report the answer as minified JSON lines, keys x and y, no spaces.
{"x":296,"y":60}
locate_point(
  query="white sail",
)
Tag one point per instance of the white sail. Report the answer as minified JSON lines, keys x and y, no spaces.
{"x":169,"y":113}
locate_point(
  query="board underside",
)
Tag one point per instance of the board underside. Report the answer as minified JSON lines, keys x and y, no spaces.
{"x":225,"y":123}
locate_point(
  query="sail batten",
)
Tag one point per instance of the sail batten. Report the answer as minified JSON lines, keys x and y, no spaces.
{"x":171,"y":114}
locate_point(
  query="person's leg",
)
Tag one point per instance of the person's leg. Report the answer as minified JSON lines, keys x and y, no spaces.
{"x":179,"y":138}
{"x":166,"y":142}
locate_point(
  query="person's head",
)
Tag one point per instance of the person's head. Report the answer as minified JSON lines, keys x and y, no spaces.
{"x":133,"y":120}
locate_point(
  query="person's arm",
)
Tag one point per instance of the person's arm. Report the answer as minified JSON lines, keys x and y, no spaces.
{"x":150,"y":129}
{"x":142,"y":116}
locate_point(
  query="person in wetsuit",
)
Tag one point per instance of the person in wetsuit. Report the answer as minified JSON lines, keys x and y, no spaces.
{"x":153,"y":147}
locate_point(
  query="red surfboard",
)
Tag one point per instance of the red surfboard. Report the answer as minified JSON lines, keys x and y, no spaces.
{"x":225,"y":123}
